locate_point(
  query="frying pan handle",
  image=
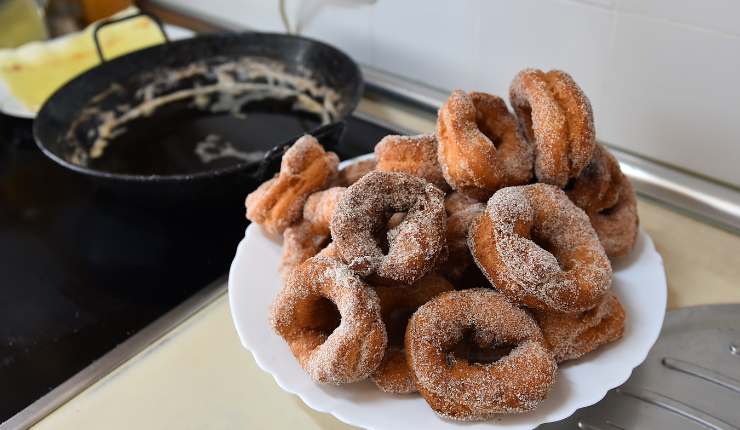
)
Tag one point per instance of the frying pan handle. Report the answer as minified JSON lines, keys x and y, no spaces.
{"x":328,"y":136}
{"x":104,"y":23}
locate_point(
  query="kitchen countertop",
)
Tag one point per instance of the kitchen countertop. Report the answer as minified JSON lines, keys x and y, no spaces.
{"x":198,"y":375}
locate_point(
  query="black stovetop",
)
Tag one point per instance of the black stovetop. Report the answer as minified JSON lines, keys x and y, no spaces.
{"x":82,"y":269}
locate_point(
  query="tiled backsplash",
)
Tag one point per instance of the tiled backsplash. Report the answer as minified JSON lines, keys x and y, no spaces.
{"x":663,"y":76}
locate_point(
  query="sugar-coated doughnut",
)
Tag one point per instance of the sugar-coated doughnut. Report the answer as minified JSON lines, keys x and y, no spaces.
{"x":304,"y":240}
{"x":416,"y":245}
{"x":460,"y":389}
{"x":461,"y":211}
{"x":480,"y":147}
{"x":353,"y":171}
{"x":597,"y":187}
{"x":300,"y":242}
{"x":397,"y":303}
{"x":556,"y":117}
{"x":305,"y":169}
{"x":618,"y":225}
{"x":335,"y":348}
{"x":569,"y":336}
{"x":539,"y":249}
{"x":415,"y":155}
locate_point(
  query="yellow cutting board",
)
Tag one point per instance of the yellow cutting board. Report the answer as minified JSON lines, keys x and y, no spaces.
{"x":32,"y":72}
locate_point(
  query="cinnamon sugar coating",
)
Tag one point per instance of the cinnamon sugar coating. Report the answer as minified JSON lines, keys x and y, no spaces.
{"x":459,"y":389}
{"x":556,"y":117}
{"x":617,"y":226}
{"x":397,"y":304}
{"x":320,"y":207}
{"x":597,"y":187}
{"x":461,"y":211}
{"x":570,"y":336}
{"x":353,"y":171}
{"x":300,"y":242}
{"x":539,"y":249}
{"x":330,"y":351}
{"x":304,"y":240}
{"x":330,"y":251}
{"x":305,"y":168}
{"x":414,"y":155}
{"x":480,"y":147}
{"x":416,"y":245}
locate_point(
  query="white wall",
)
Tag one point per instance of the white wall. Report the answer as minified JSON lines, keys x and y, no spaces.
{"x":663,"y":76}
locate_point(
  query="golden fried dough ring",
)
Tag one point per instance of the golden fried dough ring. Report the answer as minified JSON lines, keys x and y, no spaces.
{"x":330,"y":251}
{"x":320,"y":207}
{"x":418,"y":242}
{"x":305,"y":168}
{"x":300,"y":242}
{"x":598,"y":185}
{"x":556,"y":118}
{"x":415,"y":155}
{"x":539,"y":249}
{"x":480,"y":148}
{"x":304,"y":240}
{"x":617,"y":226}
{"x":569,"y":336}
{"x":331,"y":349}
{"x":461,"y":211}
{"x":353,"y":171}
{"x":397,"y":303}
{"x":459,"y":389}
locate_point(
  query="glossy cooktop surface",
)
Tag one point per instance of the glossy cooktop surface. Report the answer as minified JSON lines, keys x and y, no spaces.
{"x":83,"y":268}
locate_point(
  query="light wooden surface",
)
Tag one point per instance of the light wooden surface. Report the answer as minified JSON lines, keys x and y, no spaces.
{"x":199,"y":376}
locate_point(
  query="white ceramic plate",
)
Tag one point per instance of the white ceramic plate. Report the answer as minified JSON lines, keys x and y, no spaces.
{"x":639,"y":281}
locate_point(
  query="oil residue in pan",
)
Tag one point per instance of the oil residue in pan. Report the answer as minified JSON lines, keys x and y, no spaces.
{"x":208,"y":115}
{"x":183,"y":140}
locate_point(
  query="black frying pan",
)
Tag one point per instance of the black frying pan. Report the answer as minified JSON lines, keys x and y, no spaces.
{"x":58,"y":122}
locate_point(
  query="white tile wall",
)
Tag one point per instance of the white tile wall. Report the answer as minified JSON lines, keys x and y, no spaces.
{"x":427,"y":40}
{"x":662,"y":75}
{"x":520,"y":34}
{"x":674,"y":95}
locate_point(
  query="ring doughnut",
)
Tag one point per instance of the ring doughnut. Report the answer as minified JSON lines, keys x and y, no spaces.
{"x":331,"y":348}
{"x":397,"y":303}
{"x":459,"y":388}
{"x":353,"y":171}
{"x":320,"y":207}
{"x":480,"y":148}
{"x":539,"y":250}
{"x":330,"y":251}
{"x":300,"y":242}
{"x":305,"y":168}
{"x":556,"y":117}
{"x":617,"y":226}
{"x":461,"y":211}
{"x":414,"y":155}
{"x":304,"y":240}
{"x":569,"y":336}
{"x":598,"y":185}
{"x":418,"y":243}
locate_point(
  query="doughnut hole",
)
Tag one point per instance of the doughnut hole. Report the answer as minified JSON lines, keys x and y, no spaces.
{"x":524,"y":113}
{"x":386,"y":235}
{"x":319,"y":315}
{"x":608,"y":211}
{"x":529,"y":231}
{"x":470,"y":349}
{"x":546,"y":244}
{"x":487,"y":120}
{"x":492,"y":135}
